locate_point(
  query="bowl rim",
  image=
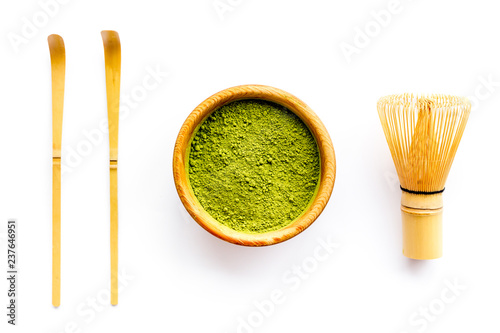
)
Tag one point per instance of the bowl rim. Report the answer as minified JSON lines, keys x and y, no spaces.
{"x":271,"y":94}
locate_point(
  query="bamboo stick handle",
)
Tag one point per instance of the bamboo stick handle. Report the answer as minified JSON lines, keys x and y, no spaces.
{"x":112,"y":58}
{"x":56,"y":232}
{"x":58,"y":67}
{"x":113,"y":179}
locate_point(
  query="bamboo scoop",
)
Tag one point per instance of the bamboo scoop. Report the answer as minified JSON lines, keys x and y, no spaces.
{"x":112,"y":58}
{"x":58,"y":66}
{"x":423,"y":133}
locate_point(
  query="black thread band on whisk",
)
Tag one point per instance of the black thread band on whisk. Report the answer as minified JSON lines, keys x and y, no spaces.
{"x":420,"y":192}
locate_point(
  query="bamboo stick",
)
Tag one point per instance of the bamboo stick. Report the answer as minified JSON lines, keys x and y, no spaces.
{"x":58,"y":68}
{"x":112,"y":56}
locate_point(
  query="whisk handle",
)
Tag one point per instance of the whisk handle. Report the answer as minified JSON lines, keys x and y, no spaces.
{"x":422,"y":216}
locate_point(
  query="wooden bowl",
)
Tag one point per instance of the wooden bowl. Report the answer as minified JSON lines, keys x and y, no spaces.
{"x":181,"y":156}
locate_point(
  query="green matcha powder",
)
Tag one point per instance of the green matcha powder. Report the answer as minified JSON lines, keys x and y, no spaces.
{"x":254,"y":166}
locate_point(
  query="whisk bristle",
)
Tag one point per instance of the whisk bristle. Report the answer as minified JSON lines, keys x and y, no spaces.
{"x":423,"y":133}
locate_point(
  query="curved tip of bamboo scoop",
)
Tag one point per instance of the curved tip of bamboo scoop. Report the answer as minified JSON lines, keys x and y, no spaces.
{"x":55,"y":39}
{"x":56,"y":47}
{"x":111,"y":38}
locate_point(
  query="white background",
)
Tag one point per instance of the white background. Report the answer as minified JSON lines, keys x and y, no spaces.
{"x":182,"y":279}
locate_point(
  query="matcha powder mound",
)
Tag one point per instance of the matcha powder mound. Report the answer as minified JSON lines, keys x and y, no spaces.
{"x":254,"y":166}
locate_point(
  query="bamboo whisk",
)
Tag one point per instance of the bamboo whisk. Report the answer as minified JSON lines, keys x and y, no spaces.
{"x":423,"y":133}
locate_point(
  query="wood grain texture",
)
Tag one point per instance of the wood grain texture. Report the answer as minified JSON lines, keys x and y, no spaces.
{"x":58,"y":68}
{"x":181,"y":155}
